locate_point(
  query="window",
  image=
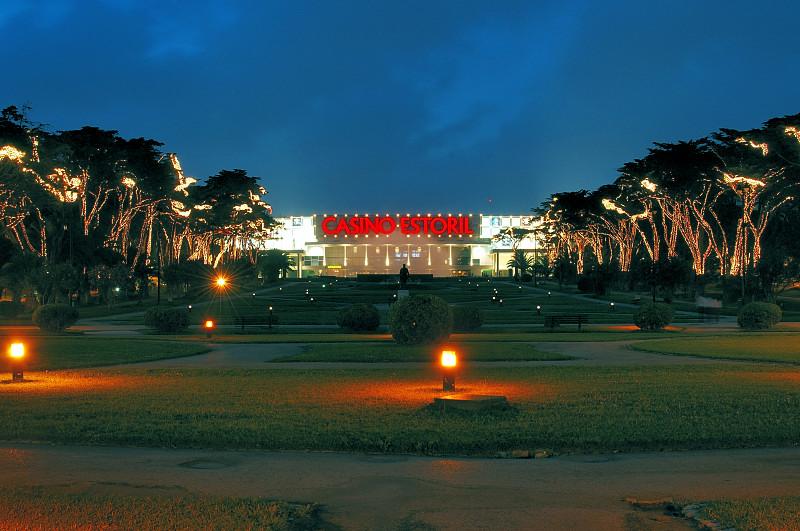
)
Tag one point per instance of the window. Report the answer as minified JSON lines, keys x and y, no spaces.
{"x":312,"y":260}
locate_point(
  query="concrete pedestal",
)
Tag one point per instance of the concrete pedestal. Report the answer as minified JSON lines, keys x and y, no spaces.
{"x":470,"y":402}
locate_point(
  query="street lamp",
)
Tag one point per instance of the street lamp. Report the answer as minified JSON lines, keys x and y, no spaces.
{"x":448,"y":361}
{"x":221,"y":282}
{"x":190,"y":308}
{"x":209,"y":326}
{"x":611,"y":304}
{"x":270,"y":318}
{"x":538,"y":310}
{"x":16,"y":352}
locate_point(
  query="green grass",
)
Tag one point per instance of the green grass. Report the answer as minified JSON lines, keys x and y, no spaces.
{"x":566,"y":409}
{"x":389,"y":352}
{"x":63,"y":352}
{"x":754,"y":514}
{"x":61,"y":507}
{"x":775,"y":347}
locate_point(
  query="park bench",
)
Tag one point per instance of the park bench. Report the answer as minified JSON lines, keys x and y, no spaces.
{"x":252,"y":320}
{"x":552,"y":321}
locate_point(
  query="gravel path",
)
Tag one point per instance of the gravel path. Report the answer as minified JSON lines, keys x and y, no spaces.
{"x":380,"y":492}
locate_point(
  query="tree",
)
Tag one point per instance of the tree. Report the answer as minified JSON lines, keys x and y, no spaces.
{"x":274,"y":264}
{"x":521,"y":262}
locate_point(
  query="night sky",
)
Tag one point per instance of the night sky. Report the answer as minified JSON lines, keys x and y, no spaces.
{"x":404,"y":106}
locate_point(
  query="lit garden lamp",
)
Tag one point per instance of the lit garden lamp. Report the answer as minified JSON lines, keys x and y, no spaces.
{"x":208,"y":325}
{"x":448,"y":361}
{"x":611,"y":304}
{"x":269,"y":323}
{"x":189,"y":308}
{"x":538,"y":310}
{"x":16,"y":352}
{"x":311,"y":299}
{"x":394,"y":297}
{"x":500,"y":302}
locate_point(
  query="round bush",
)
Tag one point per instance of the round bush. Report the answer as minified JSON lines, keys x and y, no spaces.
{"x":54,"y":317}
{"x":759,"y":316}
{"x":167,"y":320}
{"x":467,"y":318}
{"x":10,"y":309}
{"x":420,"y":319}
{"x":359,"y":318}
{"x":653,"y":316}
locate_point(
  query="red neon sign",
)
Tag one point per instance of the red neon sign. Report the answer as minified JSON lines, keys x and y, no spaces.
{"x":358,"y":225}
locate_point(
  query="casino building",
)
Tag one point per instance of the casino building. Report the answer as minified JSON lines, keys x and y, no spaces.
{"x":441,"y":245}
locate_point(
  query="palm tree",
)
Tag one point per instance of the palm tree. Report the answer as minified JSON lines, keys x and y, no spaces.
{"x":274,"y":263}
{"x":521,"y":262}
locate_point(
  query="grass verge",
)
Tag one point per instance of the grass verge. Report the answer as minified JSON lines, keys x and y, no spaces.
{"x":60,"y":507}
{"x":391,"y":352}
{"x":754,"y":514}
{"x":774,"y":347}
{"x":63,"y":352}
{"x":565,"y":409}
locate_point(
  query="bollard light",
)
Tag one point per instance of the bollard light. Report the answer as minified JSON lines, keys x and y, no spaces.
{"x":270,"y":317}
{"x":538,"y":310}
{"x":209,"y":326}
{"x":449,"y":362}
{"x":612,"y":306}
{"x":548,"y":293}
{"x":500,"y":302}
{"x":190,"y":308}
{"x":16,"y":352}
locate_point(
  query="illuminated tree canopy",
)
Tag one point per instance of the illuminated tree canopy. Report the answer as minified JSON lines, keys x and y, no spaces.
{"x":711,"y":199}
{"x":63,"y":192}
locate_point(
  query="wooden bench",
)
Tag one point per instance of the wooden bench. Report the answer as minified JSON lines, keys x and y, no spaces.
{"x":252,"y":320}
{"x":552,"y":321}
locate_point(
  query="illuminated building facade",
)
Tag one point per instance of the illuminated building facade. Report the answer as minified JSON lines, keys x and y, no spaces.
{"x":347,"y":245}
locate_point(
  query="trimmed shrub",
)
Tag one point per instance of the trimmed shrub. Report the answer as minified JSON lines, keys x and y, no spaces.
{"x":54,"y":317}
{"x":359,"y":318}
{"x":420,"y":319}
{"x":467,"y":318}
{"x":759,"y":316}
{"x":653,"y":316}
{"x":167,"y":320}
{"x":10,"y":309}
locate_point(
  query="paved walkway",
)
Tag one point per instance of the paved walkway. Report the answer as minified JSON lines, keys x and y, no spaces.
{"x":261,"y":355}
{"x":377,"y":492}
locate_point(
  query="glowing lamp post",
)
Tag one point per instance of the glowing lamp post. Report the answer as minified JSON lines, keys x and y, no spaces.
{"x":190,"y":308}
{"x":611,"y":304}
{"x":269,"y":323}
{"x":16,"y":352}
{"x":538,"y":310}
{"x":448,"y":361}
{"x":209,"y":327}
{"x":221,"y":282}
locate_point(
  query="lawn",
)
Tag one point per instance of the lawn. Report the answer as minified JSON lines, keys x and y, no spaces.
{"x":64,"y":352}
{"x":565,"y":409}
{"x":776,"y":347}
{"x":388,"y":352}
{"x":68,"y":507}
{"x":754,"y":514}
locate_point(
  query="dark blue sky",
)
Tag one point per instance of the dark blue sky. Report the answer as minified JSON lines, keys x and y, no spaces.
{"x":404,"y":106}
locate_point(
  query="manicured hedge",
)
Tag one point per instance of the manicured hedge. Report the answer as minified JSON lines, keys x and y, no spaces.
{"x":466,"y":318}
{"x":759,"y":316}
{"x":167,"y":320}
{"x":420,"y":319}
{"x":359,"y":318}
{"x":653,"y":316}
{"x":54,"y":317}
